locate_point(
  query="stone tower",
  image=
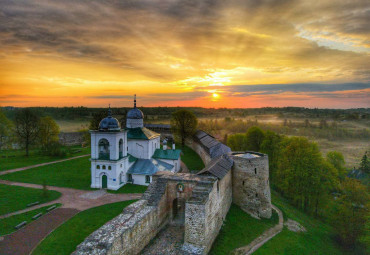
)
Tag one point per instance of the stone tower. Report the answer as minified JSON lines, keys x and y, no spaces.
{"x":251,"y":188}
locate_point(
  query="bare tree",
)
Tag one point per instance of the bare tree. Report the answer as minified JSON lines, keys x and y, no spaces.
{"x":27,"y":125}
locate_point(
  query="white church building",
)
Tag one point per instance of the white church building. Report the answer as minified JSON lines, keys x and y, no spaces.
{"x":129,"y":155}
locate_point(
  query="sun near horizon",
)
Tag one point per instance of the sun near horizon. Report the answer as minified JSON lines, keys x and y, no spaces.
{"x":234,"y":54}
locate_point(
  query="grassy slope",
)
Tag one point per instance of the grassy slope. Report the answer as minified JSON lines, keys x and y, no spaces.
{"x":239,"y":230}
{"x":191,"y":159}
{"x":18,"y":158}
{"x":66,"y":237}
{"x":72,"y":174}
{"x":7,"y":225}
{"x":14,"y":198}
{"x":317,"y":240}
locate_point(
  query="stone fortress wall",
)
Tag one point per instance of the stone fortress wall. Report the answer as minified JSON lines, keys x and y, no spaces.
{"x":239,"y":177}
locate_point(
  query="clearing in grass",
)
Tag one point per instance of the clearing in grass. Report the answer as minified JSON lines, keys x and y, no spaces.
{"x":15,"y":198}
{"x":74,"y":173}
{"x":66,"y":237}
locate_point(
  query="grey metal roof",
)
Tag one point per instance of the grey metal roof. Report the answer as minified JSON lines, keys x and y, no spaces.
{"x":218,"y":167}
{"x":213,"y":147}
{"x":109,"y":123}
{"x":135,"y":113}
{"x":149,"y":166}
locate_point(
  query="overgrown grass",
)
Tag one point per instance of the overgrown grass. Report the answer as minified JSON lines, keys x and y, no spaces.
{"x":66,"y":237}
{"x":11,"y":159}
{"x":15,"y":198}
{"x":191,"y":159}
{"x":239,"y":230}
{"x":317,"y":240}
{"x":74,"y":173}
{"x":130,"y":188}
{"x":7,"y":225}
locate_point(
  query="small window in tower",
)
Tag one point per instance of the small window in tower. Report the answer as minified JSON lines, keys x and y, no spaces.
{"x":147,"y":178}
{"x":256,"y":195}
{"x":109,"y":168}
{"x":243,"y":183}
{"x":98,"y":167}
{"x":121,"y":165}
{"x":255,"y":171}
{"x":103,"y":167}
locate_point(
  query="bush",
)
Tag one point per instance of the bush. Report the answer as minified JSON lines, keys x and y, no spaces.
{"x":53,"y":149}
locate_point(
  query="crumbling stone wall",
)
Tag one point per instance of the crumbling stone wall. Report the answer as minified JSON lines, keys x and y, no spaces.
{"x":203,"y":154}
{"x":71,"y":138}
{"x":251,"y":188}
{"x":205,"y":213}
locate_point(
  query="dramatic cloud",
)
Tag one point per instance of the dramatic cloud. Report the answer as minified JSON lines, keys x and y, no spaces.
{"x":95,"y":52}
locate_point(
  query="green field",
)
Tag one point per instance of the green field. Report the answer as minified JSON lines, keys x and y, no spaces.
{"x":317,"y":240}
{"x":7,"y":225}
{"x":191,"y":159}
{"x":66,"y":237}
{"x":240,"y":229}
{"x":11,"y":159}
{"x":74,"y":173}
{"x":130,"y":188}
{"x":15,"y":198}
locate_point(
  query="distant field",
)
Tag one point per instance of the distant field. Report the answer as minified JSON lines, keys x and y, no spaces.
{"x":72,"y":125}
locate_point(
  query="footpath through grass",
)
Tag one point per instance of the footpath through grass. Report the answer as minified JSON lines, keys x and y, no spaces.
{"x":74,"y":173}
{"x":317,"y":240}
{"x":11,"y":159}
{"x":240,"y":229}
{"x":191,"y":159}
{"x":7,"y":225}
{"x":66,"y":237}
{"x":15,"y":198}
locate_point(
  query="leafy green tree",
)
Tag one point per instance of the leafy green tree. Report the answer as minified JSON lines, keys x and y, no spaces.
{"x":254,"y":138}
{"x":6,"y":129}
{"x":365,"y":164}
{"x":336,"y":159}
{"x":184,"y":124}
{"x":49,"y":131}
{"x":237,"y":142}
{"x":27,"y":125}
{"x":271,"y":145}
{"x":350,"y":214}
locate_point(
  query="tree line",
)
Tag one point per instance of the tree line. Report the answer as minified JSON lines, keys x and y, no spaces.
{"x":315,"y":184}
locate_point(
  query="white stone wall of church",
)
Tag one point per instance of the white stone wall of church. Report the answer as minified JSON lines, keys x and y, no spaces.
{"x":143,"y":148}
{"x":113,"y":176}
{"x":113,"y":139}
{"x":140,"y":179}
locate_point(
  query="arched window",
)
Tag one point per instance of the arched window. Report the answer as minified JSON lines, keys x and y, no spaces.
{"x":104,"y":149}
{"x":103,"y":167}
{"x":147,"y":178}
{"x":109,"y":168}
{"x":98,"y":167}
{"x":120,"y":147}
{"x":129,"y":178}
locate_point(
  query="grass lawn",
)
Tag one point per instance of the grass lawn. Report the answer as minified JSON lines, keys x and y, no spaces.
{"x":12,"y":159}
{"x":240,"y":229}
{"x":66,"y":237}
{"x":130,"y":188}
{"x":191,"y":159}
{"x":317,"y":240}
{"x":7,"y":225}
{"x":74,"y":173}
{"x":15,"y":198}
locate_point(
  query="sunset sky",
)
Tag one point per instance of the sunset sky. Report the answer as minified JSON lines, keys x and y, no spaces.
{"x":221,"y":53}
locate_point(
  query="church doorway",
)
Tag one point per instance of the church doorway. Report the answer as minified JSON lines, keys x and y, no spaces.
{"x":178,"y":211}
{"x":104,"y":181}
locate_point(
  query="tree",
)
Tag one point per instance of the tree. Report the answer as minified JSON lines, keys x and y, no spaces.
{"x":349,"y":216}
{"x":27,"y":125}
{"x":336,"y":159}
{"x":365,"y":164}
{"x":271,"y":145}
{"x":49,"y":131}
{"x":184,"y":124}
{"x":6,"y":128}
{"x":96,"y":118}
{"x":254,"y":138}
{"x":237,"y":142}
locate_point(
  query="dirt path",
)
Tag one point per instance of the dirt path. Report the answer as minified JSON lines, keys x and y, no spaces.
{"x":26,"y":239}
{"x":74,"y":198}
{"x":262,"y":239}
{"x":42,"y":164}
